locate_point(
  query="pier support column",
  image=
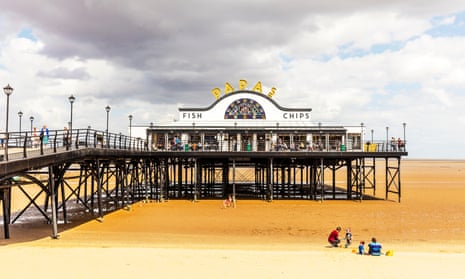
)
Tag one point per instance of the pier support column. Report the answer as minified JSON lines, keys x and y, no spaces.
{"x":53,"y":204}
{"x":271,"y":182}
{"x":5,"y":195}
{"x":99,"y":179}
{"x":234,"y":180}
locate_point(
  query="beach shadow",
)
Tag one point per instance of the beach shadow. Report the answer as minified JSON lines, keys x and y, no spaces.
{"x":36,"y":227}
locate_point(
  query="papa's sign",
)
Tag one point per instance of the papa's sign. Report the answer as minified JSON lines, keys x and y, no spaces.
{"x":228,"y":88}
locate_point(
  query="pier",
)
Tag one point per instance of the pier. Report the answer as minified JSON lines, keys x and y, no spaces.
{"x":97,"y":174}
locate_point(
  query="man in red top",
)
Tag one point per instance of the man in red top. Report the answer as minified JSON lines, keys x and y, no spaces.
{"x":333,"y":237}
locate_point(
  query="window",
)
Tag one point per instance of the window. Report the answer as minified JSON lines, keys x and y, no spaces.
{"x":244,"y":109}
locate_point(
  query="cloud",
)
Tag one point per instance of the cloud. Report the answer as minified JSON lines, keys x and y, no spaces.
{"x":63,"y":73}
{"x":378,"y":62}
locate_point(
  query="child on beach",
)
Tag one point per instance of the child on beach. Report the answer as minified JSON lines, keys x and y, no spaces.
{"x":348,"y":237}
{"x":361,"y":248}
{"x":228,"y":202}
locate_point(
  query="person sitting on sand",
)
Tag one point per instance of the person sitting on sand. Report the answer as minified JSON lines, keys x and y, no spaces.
{"x":333,"y":237}
{"x":361,"y":248}
{"x":374,"y":248}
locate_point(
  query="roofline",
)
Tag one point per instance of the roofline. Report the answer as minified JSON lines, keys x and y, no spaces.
{"x":249,"y":92}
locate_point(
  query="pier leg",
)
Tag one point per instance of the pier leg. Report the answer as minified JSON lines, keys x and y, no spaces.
{"x":5,"y":196}
{"x":53,"y":204}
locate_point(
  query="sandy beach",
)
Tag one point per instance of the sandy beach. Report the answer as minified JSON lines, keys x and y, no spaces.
{"x":279,"y":239}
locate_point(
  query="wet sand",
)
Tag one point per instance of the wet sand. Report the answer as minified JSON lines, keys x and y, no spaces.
{"x":281,"y":239}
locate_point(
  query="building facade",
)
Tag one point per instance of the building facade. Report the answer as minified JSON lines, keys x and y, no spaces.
{"x":248,"y":120}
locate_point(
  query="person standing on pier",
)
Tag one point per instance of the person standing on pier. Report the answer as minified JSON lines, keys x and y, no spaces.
{"x":44,"y":134}
{"x":2,"y":139}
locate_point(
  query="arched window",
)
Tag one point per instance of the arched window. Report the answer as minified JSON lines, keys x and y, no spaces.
{"x":244,"y":109}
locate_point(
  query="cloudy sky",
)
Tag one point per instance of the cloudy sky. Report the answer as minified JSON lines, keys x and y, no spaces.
{"x":382,"y":63}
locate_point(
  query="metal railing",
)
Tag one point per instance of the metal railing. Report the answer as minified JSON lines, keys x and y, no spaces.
{"x":27,"y":144}
{"x":267,"y":146}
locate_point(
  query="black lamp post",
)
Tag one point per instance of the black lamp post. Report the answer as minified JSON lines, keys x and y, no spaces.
{"x":8,"y":91}
{"x":372,"y":131}
{"x":32,"y":120}
{"x":387,"y":138}
{"x":404,"y":125}
{"x":361,"y":136}
{"x":107,"y":109}
{"x":130,"y":125}
{"x":20,"y":114}
{"x":71,"y":99}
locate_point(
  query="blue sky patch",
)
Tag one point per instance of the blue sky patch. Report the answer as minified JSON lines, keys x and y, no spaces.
{"x":403,"y":86}
{"x":286,"y":61}
{"x":442,"y":28}
{"x":27,"y":34}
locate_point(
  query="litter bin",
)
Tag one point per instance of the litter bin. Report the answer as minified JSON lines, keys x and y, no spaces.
{"x":343,"y":147}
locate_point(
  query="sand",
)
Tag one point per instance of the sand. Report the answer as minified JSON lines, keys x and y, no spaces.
{"x":281,"y":239}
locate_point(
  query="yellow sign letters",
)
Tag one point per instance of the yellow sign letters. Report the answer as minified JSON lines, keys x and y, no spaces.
{"x":258,"y":87}
{"x":228,"y":88}
{"x":216,"y":92}
{"x":242,"y":86}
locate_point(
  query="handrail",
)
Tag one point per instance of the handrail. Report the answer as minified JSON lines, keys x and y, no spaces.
{"x":27,"y":144}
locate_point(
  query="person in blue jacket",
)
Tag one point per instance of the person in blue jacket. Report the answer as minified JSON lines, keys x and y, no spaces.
{"x":374,"y":248}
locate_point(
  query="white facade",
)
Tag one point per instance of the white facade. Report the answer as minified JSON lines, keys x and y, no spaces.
{"x":247,"y":120}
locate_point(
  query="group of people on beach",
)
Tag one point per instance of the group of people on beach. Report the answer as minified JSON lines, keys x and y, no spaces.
{"x":374,"y":247}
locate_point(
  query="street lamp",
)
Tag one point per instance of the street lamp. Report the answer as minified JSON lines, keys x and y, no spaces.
{"x":372,"y":131}
{"x":361,"y":136}
{"x":32,"y":120}
{"x":404,"y":124}
{"x":71,"y":99}
{"x":130,"y":125}
{"x":107,"y":109}
{"x":8,"y":90}
{"x":20,"y":114}
{"x":387,"y":138}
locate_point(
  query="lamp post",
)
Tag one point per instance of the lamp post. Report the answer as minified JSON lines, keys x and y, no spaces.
{"x":32,"y":120}
{"x":387,"y":138}
{"x":130,"y":125}
{"x":8,"y":90}
{"x":361,"y":136}
{"x":32,"y":134}
{"x":107,"y":109}
{"x":71,"y":99}
{"x":372,"y":131}
{"x":404,"y":125}
{"x":20,"y":114}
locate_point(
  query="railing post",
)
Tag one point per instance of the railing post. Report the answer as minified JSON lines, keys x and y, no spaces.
{"x":25,"y":146}
{"x":76,"y":143}
{"x":41,"y":145}
{"x":55,"y":142}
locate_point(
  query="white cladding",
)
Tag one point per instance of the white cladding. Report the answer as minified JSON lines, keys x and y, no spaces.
{"x":274,"y":114}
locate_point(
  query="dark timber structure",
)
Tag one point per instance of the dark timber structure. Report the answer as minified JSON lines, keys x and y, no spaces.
{"x":98,"y":174}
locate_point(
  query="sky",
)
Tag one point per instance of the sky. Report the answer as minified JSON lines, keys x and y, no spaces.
{"x":381,"y":63}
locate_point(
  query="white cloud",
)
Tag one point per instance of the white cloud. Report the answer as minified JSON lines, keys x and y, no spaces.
{"x":145,"y":58}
